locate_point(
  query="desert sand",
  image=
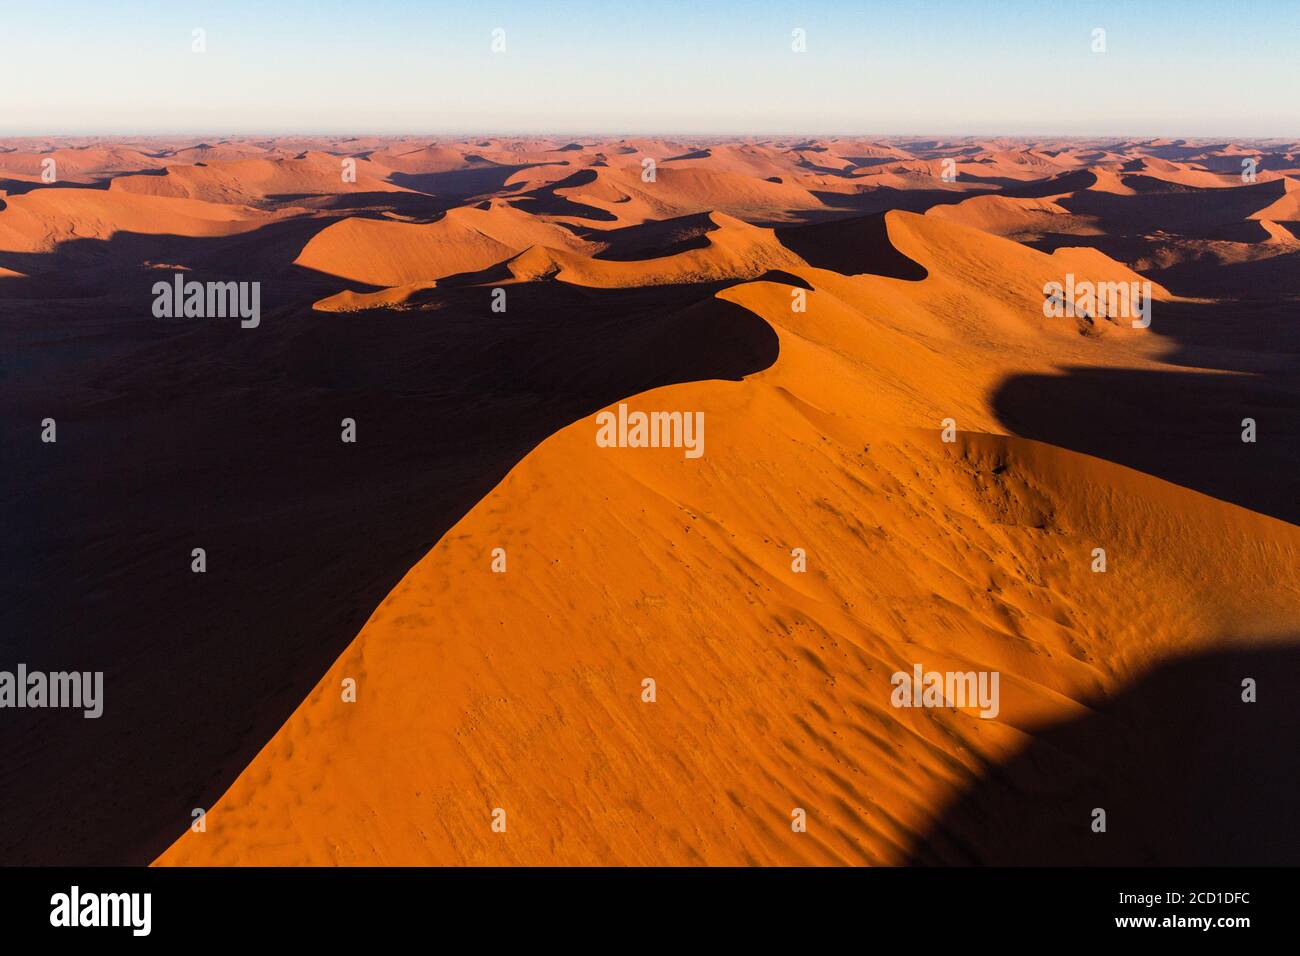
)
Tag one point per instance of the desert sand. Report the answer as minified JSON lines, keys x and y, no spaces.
{"x":831,"y":307}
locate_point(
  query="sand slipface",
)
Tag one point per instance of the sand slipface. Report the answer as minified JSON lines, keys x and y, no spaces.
{"x":676,"y":468}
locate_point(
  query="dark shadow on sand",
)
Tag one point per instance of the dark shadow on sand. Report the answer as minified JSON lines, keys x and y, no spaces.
{"x":851,"y":247}
{"x":1228,"y":361}
{"x":1187,"y":773}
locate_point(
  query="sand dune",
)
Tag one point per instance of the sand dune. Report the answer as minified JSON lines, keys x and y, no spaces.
{"x":427,"y":159}
{"x":1279,"y":234}
{"x":1286,"y":207}
{"x":1009,"y":216}
{"x":218,"y":152}
{"x":466,"y":239}
{"x":696,"y":189}
{"x":679,"y":570}
{"x":40,"y":220}
{"x":253,"y":180}
{"x":397,"y":297}
{"x":827,"y":305}
{"x":79,"y":165}
{"x":733,"y":250}
{"x":1109,"y":181}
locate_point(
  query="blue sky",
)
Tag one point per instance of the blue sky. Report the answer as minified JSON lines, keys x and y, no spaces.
{"x":1194,"y":68}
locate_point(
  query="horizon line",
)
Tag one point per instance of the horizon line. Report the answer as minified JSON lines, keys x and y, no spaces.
{"x":626,"y":134}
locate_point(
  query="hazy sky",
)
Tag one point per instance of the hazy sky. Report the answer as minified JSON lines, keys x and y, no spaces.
{"x":1192,"y":67}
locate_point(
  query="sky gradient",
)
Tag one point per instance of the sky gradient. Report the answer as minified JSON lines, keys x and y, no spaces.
{"x":1191,"y":68}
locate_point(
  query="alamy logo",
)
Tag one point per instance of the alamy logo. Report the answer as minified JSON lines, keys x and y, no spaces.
{"x":947,"y":689}
{"x":75,"y":908}
{"x":651,"y":430}
{"x":79,"y":690}
{"x":208,"y":300}
{"x":1107,"y":300}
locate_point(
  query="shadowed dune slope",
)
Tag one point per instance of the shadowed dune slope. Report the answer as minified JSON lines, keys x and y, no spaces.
{"x":1187,"y":773}
{"x":304,"y":536}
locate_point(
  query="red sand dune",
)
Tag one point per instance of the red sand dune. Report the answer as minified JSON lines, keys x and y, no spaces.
{"x":827,"y":305}
{"x":466,"y":239}
{"x":252,"y":180}
{"x":40,"y":220}
{"x":525,"y":687}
